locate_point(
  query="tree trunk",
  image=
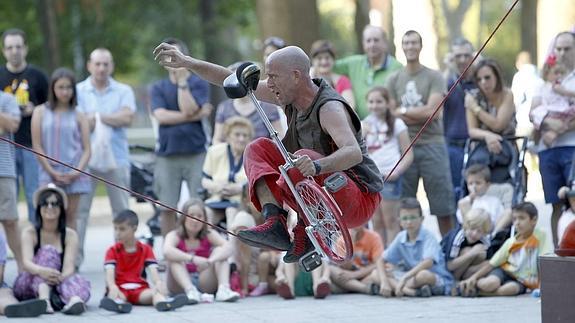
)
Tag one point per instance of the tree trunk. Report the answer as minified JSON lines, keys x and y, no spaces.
{"x":361,"y":20}
{"x":529,"y":27}
{"x":49,"y":28}
{"x":454,"y":17}
{"x":553,"y":16}
{"x":296,"y":21}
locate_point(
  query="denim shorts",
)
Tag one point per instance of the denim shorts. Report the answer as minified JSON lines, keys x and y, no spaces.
{"x":391,"y":190}
{"x":555,"y":167}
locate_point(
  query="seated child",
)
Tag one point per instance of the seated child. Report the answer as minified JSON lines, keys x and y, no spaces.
{"x":514,"y":268}
{"x":9,"y":305}
{"x":477,"y":178}
{"x":291,"y":282}
{"x":465,"y":248}
{"x":197,"y":257}
{"x":125,"y":263}
{"x":360,"y":275}
{"x":267,"y":263}
{"x":419,"y":265}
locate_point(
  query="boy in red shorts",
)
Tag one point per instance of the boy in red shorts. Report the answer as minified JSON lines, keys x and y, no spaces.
{"x":126,"y":263}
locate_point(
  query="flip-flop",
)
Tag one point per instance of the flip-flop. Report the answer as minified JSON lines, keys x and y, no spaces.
{"x":74,"y":309}
{"x":284,"y":291}
{"x":112,"y":306}
{"x":28,"y":308}
{"x":322,"y":291}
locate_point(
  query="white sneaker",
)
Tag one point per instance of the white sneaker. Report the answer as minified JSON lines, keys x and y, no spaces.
{"x":193,"y":296}
{"x":225,"y":294}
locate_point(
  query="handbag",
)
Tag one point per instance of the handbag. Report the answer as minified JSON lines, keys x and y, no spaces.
{"x":102,"y":159}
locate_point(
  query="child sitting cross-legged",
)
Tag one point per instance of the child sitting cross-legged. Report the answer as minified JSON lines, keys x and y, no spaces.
{"x":419,"y":265}
{"x":125,"y":263}
{"x":465,"y":248}
{"x":514,"y":267}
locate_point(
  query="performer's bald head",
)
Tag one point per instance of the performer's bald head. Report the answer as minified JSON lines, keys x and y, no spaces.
{"x":291,"y":57}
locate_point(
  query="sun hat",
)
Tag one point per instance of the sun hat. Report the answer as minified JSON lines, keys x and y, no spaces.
{"x":50,"y":187}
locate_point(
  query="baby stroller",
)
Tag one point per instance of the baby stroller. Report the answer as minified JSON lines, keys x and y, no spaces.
{"x":141,"y":181}
{"x":506,"y":167}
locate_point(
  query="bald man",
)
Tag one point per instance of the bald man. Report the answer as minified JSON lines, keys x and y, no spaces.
{"x":323,"y":131}
{"x":370,"y":69}
{"x":115,"y":104}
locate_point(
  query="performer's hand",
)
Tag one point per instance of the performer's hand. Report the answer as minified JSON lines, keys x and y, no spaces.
{"x":305,"y":165}
{"x":169,"y":56}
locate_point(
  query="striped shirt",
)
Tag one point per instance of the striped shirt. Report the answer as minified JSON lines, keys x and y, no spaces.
{"x":8,"y":108}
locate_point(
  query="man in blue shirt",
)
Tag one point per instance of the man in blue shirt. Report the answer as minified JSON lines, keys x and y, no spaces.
{"x":454,"y":120}
{"x":179,"y":103}
{"x":115,"y":105}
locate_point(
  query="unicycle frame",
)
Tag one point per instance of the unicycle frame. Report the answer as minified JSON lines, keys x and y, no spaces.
{"x":289,"y":164}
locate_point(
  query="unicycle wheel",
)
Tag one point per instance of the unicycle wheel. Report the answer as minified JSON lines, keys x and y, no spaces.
{"x":325,"y":218}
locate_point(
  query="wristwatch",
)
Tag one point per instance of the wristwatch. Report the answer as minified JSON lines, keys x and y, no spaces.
{"x":402,"y":110}
{"x":317,"y":167}
{"x":183,"y":87}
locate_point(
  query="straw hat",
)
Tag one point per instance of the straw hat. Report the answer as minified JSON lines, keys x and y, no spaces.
{"x":50,"y":187}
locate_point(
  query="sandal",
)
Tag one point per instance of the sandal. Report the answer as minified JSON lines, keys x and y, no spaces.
{"x":28,"y":308}
{"x":284,"y":291}
{"x":76,"y":308}
{"x":424,"y":291}
{"x":113,"y":306}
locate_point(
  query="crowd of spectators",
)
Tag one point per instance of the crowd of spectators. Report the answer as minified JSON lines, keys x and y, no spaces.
{"x":489,"y":246}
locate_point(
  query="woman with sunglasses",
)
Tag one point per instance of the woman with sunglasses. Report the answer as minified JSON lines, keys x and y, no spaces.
{"x":48,"y":251}
{"x":490,"y":111}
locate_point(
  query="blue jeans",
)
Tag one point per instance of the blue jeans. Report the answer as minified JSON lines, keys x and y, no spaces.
{"x":456,"y":153}
{"x":27,"y":167}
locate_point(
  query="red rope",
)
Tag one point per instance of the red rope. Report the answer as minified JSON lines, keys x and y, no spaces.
{"x":115,"y":185}
{"x":428,"y":121}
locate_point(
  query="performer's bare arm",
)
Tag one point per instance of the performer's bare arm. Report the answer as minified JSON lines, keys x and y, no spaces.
{"x":170,"y":56}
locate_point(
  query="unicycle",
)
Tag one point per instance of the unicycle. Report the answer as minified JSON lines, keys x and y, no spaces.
{"x":321,"y":214}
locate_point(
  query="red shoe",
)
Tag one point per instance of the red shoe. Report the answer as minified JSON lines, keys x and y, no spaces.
{"x":322,"y":290}
{"x":284,"y":291}
{"x":301,"y":244}
{"x":271,"y":234}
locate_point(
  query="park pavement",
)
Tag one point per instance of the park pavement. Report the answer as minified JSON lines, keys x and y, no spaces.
{"x":271,"y":308}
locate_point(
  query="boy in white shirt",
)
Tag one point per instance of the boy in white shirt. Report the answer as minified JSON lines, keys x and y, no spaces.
{"x":477,"y":178}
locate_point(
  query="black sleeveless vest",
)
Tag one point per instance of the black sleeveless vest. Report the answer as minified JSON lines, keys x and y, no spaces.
{"x":304,"y":131}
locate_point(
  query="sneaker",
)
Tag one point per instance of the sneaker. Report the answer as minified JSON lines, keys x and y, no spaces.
{"x":115,"y":306}
{"x":424,"y":291}
{"x":29,"y":308}
{"x":225,"y":294}
{"x":301,"y":245}
{"x":193,"y":296}
{"x":261,"y":289}
{"x":271,"y":234}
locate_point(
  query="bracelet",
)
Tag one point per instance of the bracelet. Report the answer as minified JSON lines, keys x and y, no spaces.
{"x":183,"y":87}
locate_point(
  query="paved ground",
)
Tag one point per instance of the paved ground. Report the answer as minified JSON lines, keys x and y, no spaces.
{"x":337,"y":308}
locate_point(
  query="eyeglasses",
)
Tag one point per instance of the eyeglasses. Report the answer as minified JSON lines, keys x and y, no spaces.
{"x":409,"y":217}
{"x":485,"y":78}
{"x":50,"y":204}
